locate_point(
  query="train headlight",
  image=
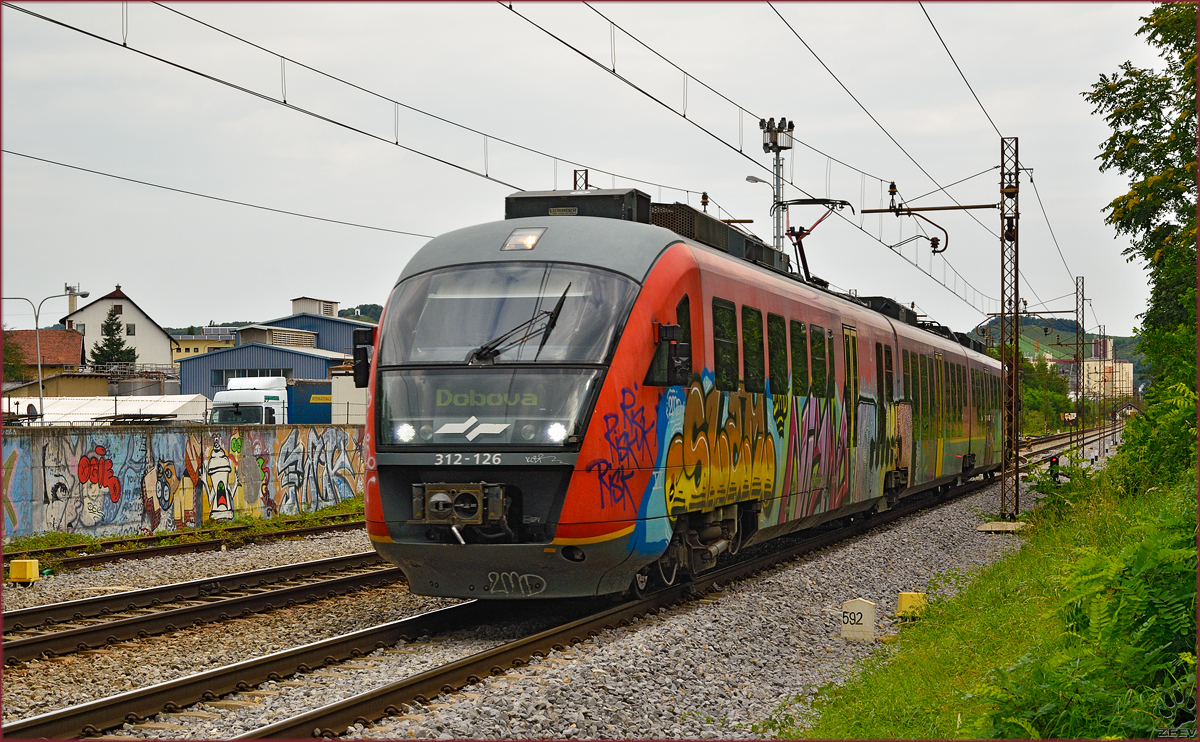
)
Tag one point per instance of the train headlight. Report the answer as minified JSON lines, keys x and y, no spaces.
{"x":527,"y":432}
{"x":427,"y":432}
{"x":557,"y":432}
{"x":405,"y":432}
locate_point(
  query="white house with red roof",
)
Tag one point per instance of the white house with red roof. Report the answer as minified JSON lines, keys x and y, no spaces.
{"x":152,"y":342}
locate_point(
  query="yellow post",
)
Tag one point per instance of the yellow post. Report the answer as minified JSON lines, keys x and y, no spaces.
{"x":910,"y":605}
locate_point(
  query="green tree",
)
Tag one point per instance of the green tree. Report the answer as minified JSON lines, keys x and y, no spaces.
{"x":14,"y":360}
{"x":1153,"y":119}
{"x":112,"y":349}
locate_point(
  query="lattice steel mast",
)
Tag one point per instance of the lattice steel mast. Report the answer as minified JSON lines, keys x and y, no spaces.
{"x":1077,"y":431}
{"x":1010,"y":330}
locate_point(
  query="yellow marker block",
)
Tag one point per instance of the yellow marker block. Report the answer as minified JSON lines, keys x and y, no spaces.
{"x":23,"y":570}
{"x":910,"y":605}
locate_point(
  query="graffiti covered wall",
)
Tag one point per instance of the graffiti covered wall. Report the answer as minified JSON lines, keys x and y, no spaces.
{"x":116,"y":481}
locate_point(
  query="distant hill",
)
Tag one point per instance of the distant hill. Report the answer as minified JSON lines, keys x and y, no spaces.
{"x":1036,"y":341}
{"x":364,"y":312}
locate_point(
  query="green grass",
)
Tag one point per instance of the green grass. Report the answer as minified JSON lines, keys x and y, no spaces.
{"x":920,"y":687}
{"x":220,"y":530}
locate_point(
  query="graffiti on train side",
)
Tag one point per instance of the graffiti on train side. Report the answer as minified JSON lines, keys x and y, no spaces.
{"x":817,"y":468}
{"x":724,"y":453}
{"x":630,"y":447}
{"x":104,"y":483}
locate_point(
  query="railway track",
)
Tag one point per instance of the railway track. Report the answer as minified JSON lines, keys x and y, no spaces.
{"x":94,"y":718}
{"x":343,"y":522}
{"x":1059,"y":442}
{"x":61,"y":628}
{"x":173,"y":696}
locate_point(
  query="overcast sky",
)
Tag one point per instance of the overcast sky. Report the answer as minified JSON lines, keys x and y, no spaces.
{"x":78,"y":100}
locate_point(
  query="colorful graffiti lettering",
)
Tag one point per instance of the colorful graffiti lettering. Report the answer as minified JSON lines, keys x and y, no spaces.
{"x":628,"y":435}
{"x":98,"y":470}
{"x":104,"y":483}
{"x":724,"y":452}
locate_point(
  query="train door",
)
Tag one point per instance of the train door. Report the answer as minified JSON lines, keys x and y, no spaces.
{"x":850,"y":394}
{"x":939,"y":411}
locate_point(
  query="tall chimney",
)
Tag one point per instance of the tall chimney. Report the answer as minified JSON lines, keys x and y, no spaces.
{"x":72,"y":299}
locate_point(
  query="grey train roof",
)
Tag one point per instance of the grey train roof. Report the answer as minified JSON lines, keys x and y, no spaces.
{"x":630,"y":248}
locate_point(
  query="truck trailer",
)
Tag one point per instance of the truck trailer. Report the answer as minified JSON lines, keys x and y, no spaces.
{"x":272,"y":400}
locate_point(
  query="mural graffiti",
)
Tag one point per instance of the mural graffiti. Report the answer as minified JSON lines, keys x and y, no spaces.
{"x":724,"y":452}
{"x":106,"y":482}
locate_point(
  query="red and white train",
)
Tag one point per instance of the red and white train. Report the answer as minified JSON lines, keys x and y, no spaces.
{"x":578,"y":401}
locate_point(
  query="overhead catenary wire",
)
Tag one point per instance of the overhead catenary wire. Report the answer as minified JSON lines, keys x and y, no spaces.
{"x":213,"y":198}
{"x":421,"y":111}
{"x":730,"y":145}
{"x":997,"y":130}
{"x":259,"y":95}
{"x":960,"y":72}
{"x":940,"y":188}
{"x":1047,"y":218}
{"x":714,"y":91}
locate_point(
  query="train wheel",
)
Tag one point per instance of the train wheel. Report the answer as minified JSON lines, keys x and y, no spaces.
{"x":641,"y":584}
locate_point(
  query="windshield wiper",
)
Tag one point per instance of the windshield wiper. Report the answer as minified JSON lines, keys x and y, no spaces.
{"x":491,"y":348}
{"x":550,"y":323}
{"x":487,"y":352}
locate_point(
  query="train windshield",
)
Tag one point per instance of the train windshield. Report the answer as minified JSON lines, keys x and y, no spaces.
{"x":484,"y":407}
{"x":520,"y":312}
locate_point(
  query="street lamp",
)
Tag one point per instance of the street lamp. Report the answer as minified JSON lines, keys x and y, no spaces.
{"x":71,"y":291}
{"x":777,"y":137}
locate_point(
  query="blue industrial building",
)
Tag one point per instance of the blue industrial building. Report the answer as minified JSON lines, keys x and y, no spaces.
{"x":208,"y":373}
{"x":302,"y":345}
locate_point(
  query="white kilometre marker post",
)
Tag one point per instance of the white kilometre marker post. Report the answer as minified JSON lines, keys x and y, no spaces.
{"x":858,"y":620}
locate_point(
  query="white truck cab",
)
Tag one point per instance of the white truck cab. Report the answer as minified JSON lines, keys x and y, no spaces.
{"x":255,"y":400}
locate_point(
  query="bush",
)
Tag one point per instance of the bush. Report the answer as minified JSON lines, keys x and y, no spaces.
{"x":1127,"y":655}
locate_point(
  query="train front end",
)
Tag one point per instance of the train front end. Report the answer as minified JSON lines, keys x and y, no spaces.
{"x":488,"y":363}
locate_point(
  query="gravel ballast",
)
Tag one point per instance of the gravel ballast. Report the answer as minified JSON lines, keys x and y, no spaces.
{"x":136,"y":574}
{"x":708,"y":669}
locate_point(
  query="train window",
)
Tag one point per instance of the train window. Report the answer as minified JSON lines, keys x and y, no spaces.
{"x":880,"y":391}
{"x":657,"y":373}
{"x":753,"y":362}
{"x":889,"y":377}
{"x":777,"y":353}
{"x":956,"y":404}
{"x":962,"y":401}
{"x":725,"y":350}
{"x":819,"y":379}
{"x":479,"y":312}
{"x":959,"y":414}
{"x":799,"y":358}
{"x":850,"y":344}
{"x":683,"y":318}
{"x":831,"y":367}
{"x":923,"y":387}
{"x":907,"y":378}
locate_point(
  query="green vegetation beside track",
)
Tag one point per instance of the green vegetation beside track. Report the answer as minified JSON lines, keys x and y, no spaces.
{"x":232,"y":532}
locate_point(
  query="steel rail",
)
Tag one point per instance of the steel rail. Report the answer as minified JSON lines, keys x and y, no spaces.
{"x":88,"y":637}
{"x":93,"y":717}
{"x":330,"y":720}
{"x":29,"y":618}
{"x":186,"y":547}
